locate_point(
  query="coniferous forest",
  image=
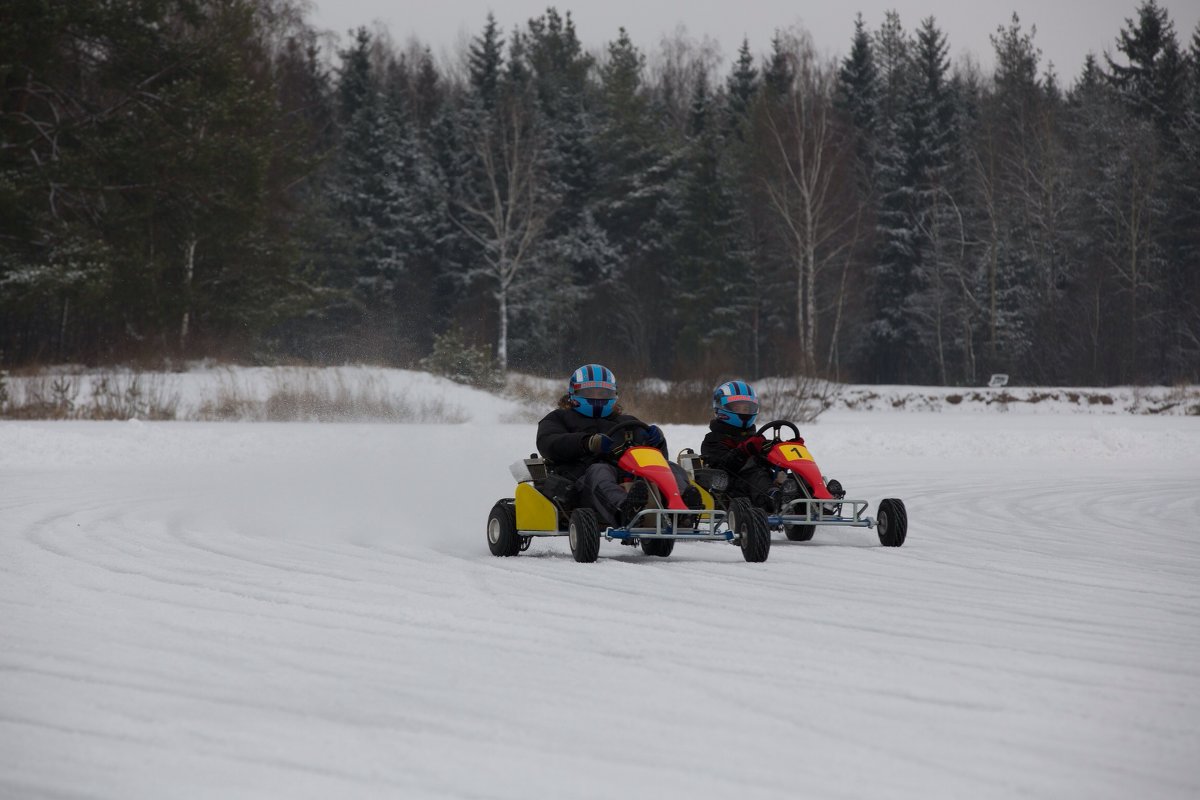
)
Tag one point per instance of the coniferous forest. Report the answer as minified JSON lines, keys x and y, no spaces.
{"x":185,"y":179}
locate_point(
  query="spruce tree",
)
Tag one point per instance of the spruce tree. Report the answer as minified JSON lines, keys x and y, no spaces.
{"x":858,"y":97}
{"x":741,"y":87}
{"x":484,"y":61}
{"x":1152,"y":79}
{"x":890,"y":332}
{"x":709,"y":286}
{"x":634,"y":206}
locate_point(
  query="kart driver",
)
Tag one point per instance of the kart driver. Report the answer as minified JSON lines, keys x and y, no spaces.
{"x":733,"y":445}
{"x":573,"y":439}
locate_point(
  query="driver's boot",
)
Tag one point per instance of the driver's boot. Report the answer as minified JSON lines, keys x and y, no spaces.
{"x":692,"y":499}
{"x":635,"y":501}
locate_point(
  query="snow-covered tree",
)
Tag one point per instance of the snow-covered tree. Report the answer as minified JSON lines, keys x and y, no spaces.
{"x":506,"y":197}
{"x":857,"y":96}
{"x":634,"y":205}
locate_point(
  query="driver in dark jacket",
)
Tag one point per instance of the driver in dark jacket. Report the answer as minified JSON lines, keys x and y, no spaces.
{"x":574,"y":439}
{"x":734,"y":445}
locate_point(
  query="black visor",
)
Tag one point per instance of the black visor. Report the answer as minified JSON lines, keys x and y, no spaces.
{"x":597,"y":393}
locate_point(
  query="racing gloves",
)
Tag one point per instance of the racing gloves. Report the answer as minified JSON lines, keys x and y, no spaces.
{"x":654,"y":437}
{"x":599,"y":443}
{"x":752,"y":445}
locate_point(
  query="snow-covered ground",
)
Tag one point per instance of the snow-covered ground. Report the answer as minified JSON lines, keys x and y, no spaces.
{"x":200,"y":610}
{"x":209,"y":392}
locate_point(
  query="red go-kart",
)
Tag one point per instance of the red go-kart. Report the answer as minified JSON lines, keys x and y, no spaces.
{"x":804,"y":499}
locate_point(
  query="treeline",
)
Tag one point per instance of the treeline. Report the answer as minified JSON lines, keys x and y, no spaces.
{"x":191,"y":178}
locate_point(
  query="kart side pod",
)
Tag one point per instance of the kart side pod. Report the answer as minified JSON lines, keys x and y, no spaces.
{"x":535,"y":512}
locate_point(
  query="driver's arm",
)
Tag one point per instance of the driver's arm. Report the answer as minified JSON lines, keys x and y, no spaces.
{"x":716,"y":452}
{"x":557,"y":443}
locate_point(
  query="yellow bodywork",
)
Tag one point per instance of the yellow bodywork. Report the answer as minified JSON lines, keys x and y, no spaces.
{"x":709,"y":503}
{"x":535,"y":512}
{"x":648,"y":457}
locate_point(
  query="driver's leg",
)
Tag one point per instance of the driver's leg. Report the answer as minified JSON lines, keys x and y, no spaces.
{"x":759,"y":485}
{"x":598,"y":488}
{"x":687,"y":492}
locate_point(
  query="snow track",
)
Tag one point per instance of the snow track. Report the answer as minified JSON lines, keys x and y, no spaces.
{"x":193,"y":610}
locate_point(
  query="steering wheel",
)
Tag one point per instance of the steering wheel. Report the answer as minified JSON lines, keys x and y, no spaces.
{"x":774,"y":428}
{"x":623,"y":443}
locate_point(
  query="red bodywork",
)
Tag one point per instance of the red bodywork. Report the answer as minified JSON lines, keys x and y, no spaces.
{"x":651,"y":464}
{"x":794,"y":455}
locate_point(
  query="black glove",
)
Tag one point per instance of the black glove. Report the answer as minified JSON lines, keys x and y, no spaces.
{"x":599,"y":443}
{"x":654,"y":437}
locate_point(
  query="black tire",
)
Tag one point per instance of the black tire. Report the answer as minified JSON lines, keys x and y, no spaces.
{"x":658,"y":547}
{"x":750,"y":526}
{"x":799,"y":533}
{"x":502,"y":530}
{"x":584,"y":533}
{"x":891,"y":522}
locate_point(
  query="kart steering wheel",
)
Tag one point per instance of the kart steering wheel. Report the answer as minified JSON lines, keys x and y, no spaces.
{"x":774,"y":427}
{"x":621,"y":444}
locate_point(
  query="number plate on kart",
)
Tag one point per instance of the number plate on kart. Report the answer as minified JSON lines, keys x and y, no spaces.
{"x":795,"y":452}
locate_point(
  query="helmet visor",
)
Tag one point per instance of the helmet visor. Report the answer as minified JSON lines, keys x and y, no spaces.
{"x":742,"y":406}
{"x":596,"y":392}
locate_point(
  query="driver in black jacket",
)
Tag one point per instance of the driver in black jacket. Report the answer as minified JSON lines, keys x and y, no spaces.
{"x":574,"y":439}
{"x":734,"y":445}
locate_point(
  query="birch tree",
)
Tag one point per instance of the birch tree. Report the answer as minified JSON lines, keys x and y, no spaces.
{"x":508,"y":199}
{"x":803,"y":149}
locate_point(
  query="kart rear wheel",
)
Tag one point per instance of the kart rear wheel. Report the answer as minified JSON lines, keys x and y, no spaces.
{"x":502,"y":530}
{"x":799,"y":533}
{"x":891,"y":522}
{"x":749,"y":524}
{"x":658,"y":547}
{"x":584,"y":533}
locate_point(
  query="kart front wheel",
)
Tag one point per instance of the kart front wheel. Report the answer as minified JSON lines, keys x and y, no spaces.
{"x":749,"y":525}
{"x":799,"y":533}
{"x":658,"y":547}
{"x":584,"y":533}
{"x":891,"y":522}
{"x":502,"y":530}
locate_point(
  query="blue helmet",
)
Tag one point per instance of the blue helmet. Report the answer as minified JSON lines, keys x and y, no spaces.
{"x":593,"y":391}
{"x":735,"y":403}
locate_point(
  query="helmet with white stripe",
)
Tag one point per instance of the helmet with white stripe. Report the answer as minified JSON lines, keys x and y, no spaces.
{"x":593,"y":390}
{"x":735,"y":403}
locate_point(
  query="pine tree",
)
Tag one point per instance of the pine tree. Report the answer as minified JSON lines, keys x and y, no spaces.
{"x":858,"y":97}
{"x":484,"y":61}
{"x":378,"y":158}
{"x":777,"y":73}
{"x":1181,"y":349}
{"x":931,"y":141}
{"x":635,"y":204}
{"x":1151,"y":83}
{"x":712,"y":298}
{"x":890,"y":331}
{"x":576,"y":251}
{"x":741,"y":87}
{"x":143,"y":178}
{"x":1150,"y":86}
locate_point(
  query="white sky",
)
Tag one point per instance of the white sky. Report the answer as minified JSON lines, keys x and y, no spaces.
{"x":1066,"y":29}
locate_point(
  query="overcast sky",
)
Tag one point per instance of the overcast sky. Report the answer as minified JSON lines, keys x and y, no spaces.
{"x":1066,"y":29}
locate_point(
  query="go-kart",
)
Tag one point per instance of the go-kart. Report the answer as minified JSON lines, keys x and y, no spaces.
{"x":545,"y":504}
{"x":804,"y":499}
